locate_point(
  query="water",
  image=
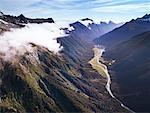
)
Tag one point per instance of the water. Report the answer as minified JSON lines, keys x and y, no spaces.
{"x":108,"y":85}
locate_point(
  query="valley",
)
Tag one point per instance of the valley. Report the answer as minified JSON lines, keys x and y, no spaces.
{"x":97,"y":64}
{"x":52,"y":73}
{"x":88,"y":66}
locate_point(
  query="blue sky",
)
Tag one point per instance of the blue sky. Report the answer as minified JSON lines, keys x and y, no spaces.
{"x":71,"y":10}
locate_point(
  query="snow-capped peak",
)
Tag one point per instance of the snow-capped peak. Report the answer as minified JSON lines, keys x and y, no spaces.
{"x":2,"y":21}
{"x":86,"y":22}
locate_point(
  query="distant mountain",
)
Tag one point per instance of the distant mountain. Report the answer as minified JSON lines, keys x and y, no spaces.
{"x":144,"y":18}
{"x":21,"y":19}
{"x":125,"y":32}
{"x":92,"y":30}
{"x":103,"y":27}
{"x":132,"y":70}
{"x":80,"y":30}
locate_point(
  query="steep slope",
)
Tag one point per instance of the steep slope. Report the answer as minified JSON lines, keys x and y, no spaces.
{"x":80,"y":30}
{"x":101,"y":28}
{"x":132,"y":71}
{"x":125,"y":32}
{"x":5,"y":26}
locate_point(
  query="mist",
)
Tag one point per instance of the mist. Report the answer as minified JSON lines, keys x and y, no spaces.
{"x":16,"y":41}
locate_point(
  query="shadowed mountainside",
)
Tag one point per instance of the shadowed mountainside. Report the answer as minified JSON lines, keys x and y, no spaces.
{"x":88,"y":29}
{"x":132,"y":71}
{"x":125,"y":32}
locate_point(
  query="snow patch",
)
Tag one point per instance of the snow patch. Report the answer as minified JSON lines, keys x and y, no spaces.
{"x":86,"y":22}
{"x":2,"y":21}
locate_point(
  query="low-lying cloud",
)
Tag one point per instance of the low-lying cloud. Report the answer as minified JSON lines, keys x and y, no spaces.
{"x":17,"y":41}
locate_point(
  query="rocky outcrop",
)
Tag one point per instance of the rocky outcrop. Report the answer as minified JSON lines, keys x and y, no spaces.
{"x":21,"y":19}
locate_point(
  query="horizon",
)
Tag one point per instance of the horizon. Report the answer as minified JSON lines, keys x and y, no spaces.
{"x":73,"y":10}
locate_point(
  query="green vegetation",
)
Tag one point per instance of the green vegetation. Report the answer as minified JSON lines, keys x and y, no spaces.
{"x":42,"y":81}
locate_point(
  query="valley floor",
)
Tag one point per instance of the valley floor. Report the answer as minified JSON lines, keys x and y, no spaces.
{"x":97,"y":64}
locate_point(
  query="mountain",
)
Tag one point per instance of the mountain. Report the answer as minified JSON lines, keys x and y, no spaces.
{"x":80,"y":30}
{"x":103,"y":27}
{"x":5,"y":26}
{"x":132,"y":71}
{"x":144,"y":18}
{"x":87,"y":28}
{"x":125,"y":32}
{"x":21,"y":19}
{"x":41,"y":80}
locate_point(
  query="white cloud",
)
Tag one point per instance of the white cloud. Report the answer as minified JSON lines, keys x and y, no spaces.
{"x":16,"y":41}
{"x":143,"y":7}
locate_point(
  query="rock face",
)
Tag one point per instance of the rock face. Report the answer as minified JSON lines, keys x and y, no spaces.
{"x":5,"y":26}
{"x":132,"y":71}
{"x":125,"y":32}
{"x":43,"y":81}
{"x":21,"y":19}
{"x":8,"y":21}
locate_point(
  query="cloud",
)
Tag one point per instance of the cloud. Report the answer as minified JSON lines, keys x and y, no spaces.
{"x":126,"y":8}
{"x":55,"y":5}
{"x":16,"y":41}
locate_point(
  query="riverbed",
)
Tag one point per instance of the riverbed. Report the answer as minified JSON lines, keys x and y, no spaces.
{"x":103,"y":71}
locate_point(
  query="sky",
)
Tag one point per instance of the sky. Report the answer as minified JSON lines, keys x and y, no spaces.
{"x":72,"y":10}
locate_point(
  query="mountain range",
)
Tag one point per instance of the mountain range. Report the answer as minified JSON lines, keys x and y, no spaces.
{"x":49,"y":72}
{"x":22,"y":19}
{"x":125,"y":32}
{"x":44,"y":81}
{"x":129,"y":47}
{"x":90,"y":30}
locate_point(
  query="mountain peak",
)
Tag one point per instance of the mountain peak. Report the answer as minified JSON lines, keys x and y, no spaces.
{"x":111,"y":22}
{"x":1,"y":14}
{"x":21,"y":16}
{"x":144,"y":18}
{"x":21,"y":19}
{"x":86,"y":19}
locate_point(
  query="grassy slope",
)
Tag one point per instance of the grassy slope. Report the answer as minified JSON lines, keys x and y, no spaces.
{"x":45,"y":82}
